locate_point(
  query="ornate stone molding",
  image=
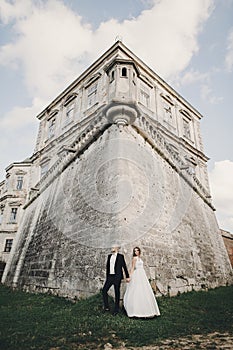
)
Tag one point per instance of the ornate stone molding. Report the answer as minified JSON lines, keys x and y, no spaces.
{"x":121,"y":114}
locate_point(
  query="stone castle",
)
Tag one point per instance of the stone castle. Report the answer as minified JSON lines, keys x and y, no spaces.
{"x":119,"y":160}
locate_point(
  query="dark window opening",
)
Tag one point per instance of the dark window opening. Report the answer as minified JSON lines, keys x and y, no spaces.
{"x":8,"y":245}
{"x":13,"y":215}
{"x":124,"y":72}
{"x":19,"y":184}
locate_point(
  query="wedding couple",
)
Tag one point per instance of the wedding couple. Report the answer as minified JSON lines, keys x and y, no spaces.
{"x":139,"y":299}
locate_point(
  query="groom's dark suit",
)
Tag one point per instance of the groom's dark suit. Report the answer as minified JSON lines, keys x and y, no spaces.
{"x":114,"y":279}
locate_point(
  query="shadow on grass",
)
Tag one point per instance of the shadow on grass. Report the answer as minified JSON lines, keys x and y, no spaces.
{"x":40,"y":321}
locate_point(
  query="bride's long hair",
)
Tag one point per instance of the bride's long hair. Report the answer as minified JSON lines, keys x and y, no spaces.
{"x":136,"y":248}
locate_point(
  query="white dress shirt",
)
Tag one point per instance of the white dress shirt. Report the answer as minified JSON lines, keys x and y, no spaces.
{"x":112,"y":263}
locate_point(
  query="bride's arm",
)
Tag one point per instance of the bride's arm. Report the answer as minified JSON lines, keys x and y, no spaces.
{"x":133,"y":265}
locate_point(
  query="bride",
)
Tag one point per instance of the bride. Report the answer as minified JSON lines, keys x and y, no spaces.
{"x":139,"y":299}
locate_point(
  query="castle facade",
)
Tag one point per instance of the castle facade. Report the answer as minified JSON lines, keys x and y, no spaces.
{"x":119,"y":159}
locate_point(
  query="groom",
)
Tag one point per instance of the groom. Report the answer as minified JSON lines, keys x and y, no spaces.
{"x":114,"y":274}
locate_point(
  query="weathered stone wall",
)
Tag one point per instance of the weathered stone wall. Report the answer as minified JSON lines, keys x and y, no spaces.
{"x":120,"y":190}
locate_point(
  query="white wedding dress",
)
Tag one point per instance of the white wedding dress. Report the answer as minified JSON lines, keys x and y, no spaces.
{"x":139,"y":299}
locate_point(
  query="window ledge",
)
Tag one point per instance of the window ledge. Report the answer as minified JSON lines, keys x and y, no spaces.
{"x":68,"y":124}
{"x":187,"y":139}
{"x":89,"y":108}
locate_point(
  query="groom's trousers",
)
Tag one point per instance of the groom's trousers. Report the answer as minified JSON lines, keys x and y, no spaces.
{"x":116,"y":282}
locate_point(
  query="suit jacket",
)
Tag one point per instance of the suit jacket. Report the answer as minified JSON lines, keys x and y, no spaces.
{"x":120,"y":265}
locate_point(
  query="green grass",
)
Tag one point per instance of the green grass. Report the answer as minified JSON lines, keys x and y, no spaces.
{"x":39,"y":321}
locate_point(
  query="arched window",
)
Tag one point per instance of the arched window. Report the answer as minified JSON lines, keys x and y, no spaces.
{"x":124,"y":72}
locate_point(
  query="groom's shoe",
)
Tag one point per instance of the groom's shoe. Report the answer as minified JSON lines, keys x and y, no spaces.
{"x":116,"y":312}
{"x":106,"y":309}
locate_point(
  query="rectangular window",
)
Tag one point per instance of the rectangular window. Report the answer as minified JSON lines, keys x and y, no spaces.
{"x":8,"y":245}
{"x":13,"y":215}
{"x":19,"y":184}
{"x":92,"y":95}
{"x":167,"y":112}
{"x":144,"y":95}
{"x":44,"y":168}
{"x":51,"y":130}
{"x":69,"y":113}
{"x":186,"y":127}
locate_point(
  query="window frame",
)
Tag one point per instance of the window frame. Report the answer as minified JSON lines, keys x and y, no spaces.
{"x":69,"y":113}
{"x":13,"y":215}
{"x":19,"y":184}
{"x":51,"y":127}
{"x":92,"y":94}
{"x":186,"y":128}
{"x":44,"y":167}
{"x":124,"y":72}
{"x":144,"y":97}
{"x":8,"y":245}
{"x":168,"y":109}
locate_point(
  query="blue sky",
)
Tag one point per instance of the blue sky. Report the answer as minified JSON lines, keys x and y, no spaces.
{"x":45,"y":45}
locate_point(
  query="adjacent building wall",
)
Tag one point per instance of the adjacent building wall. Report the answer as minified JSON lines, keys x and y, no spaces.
{"x":228,"y":241}
{"x":13,"y":194}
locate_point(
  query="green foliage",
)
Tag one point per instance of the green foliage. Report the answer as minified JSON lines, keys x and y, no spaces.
{"x":40,"y":321}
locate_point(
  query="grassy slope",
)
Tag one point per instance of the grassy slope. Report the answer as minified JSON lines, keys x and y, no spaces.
{"x":38,"y":321}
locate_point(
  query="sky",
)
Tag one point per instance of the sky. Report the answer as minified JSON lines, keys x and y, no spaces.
{"x":47,"y":44}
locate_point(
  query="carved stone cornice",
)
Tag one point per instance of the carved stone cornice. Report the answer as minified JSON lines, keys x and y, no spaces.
{"x":121,"y":114}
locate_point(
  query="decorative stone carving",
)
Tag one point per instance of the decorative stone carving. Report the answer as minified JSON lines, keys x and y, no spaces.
{"x":121,"y":114}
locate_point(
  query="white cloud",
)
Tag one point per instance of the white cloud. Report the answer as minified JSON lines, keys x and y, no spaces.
{"x":10,"y":11}
{"x":229,"y":55}
{"x":205,"y":82}
{"x":207,"y":95}
{"x":171,"y":27}
{"x":51,"y":42}
{"x":221,"y":184}
{"x":53,"y":45}
{"x":193,"y":76}
{"x":19,"y":117}
{"x":19,"y":129}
